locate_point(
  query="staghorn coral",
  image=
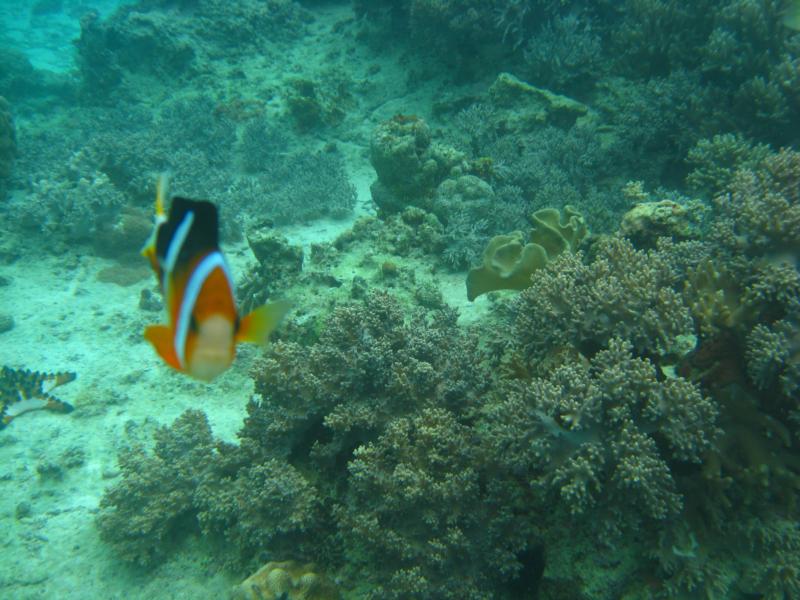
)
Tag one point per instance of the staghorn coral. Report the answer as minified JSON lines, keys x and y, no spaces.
{"x":565,"y":55}
{"x":297,"y":187}
{"x":622,"y":292}
{"x":471,"y":212}
{"x":260,"y":144}
{"x":653,"y":123}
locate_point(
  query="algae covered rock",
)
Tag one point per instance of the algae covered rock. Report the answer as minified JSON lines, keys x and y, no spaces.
{"x":288,"y":580}
{"x":533,"y":105}
{"x":647,"y":221}
{"x":508,"y":262}
{"x":408,"y":163}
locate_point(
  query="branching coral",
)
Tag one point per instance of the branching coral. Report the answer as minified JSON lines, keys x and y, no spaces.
{"x":142,"y":515}
{"x":622,"y":292}
{"x":565,"y":55}
{"x":418,"y":512}
{"x":192,"y":483}
{"x":603,"y":432}
{"x":773,"y":354}
{"x":263,"y":508}
{"x":369,"y":365}
{"x":760,"y":213}
{"x":716,"y":160}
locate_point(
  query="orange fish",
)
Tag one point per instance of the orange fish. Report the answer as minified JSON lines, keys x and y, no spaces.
{"x":204,"y":324}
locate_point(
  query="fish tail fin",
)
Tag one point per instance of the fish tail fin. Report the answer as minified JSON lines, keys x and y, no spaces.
{"x":160,"y":336}
{"x":256,"y":327}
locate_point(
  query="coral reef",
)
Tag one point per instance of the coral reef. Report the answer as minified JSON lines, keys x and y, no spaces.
{"x":8,"y":146}
{"x":408,"y":163}
{"x":622,"y":292}
{"x":509,"y":265}
{"x":153,"y":506}
{"x":192,"y":483}
{"x":142,"y":40}
{"x":286,"y":580}
{"x":603,"y":432}
{"x":624,"y":427}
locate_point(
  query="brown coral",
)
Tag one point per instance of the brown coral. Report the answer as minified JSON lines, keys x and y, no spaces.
{"x":288,"y":580}
{"x":509,"y":265}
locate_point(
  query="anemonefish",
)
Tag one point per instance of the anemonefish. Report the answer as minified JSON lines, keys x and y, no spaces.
{"x":204,"y":324}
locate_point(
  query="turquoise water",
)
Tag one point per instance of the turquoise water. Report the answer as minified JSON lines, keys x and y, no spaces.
{"x":44,"y":31}
{"x":400,"y":299}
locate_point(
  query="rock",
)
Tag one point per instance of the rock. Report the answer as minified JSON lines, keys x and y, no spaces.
{"x":647,"y":221}
{"x":6,"y":323}
{"x":530,"y":105}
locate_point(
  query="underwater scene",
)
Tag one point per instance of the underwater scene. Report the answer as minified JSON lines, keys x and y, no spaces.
{"x":400,"y":299}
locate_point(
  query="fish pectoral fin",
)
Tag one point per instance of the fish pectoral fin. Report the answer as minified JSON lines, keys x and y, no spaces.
{"x":256,"y":327}
{"x":160,"y":336}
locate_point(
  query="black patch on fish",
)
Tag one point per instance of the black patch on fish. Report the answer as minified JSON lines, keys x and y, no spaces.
{"x":203,"y":235}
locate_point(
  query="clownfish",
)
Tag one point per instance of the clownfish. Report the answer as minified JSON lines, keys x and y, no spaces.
{"x":204,"y":325}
